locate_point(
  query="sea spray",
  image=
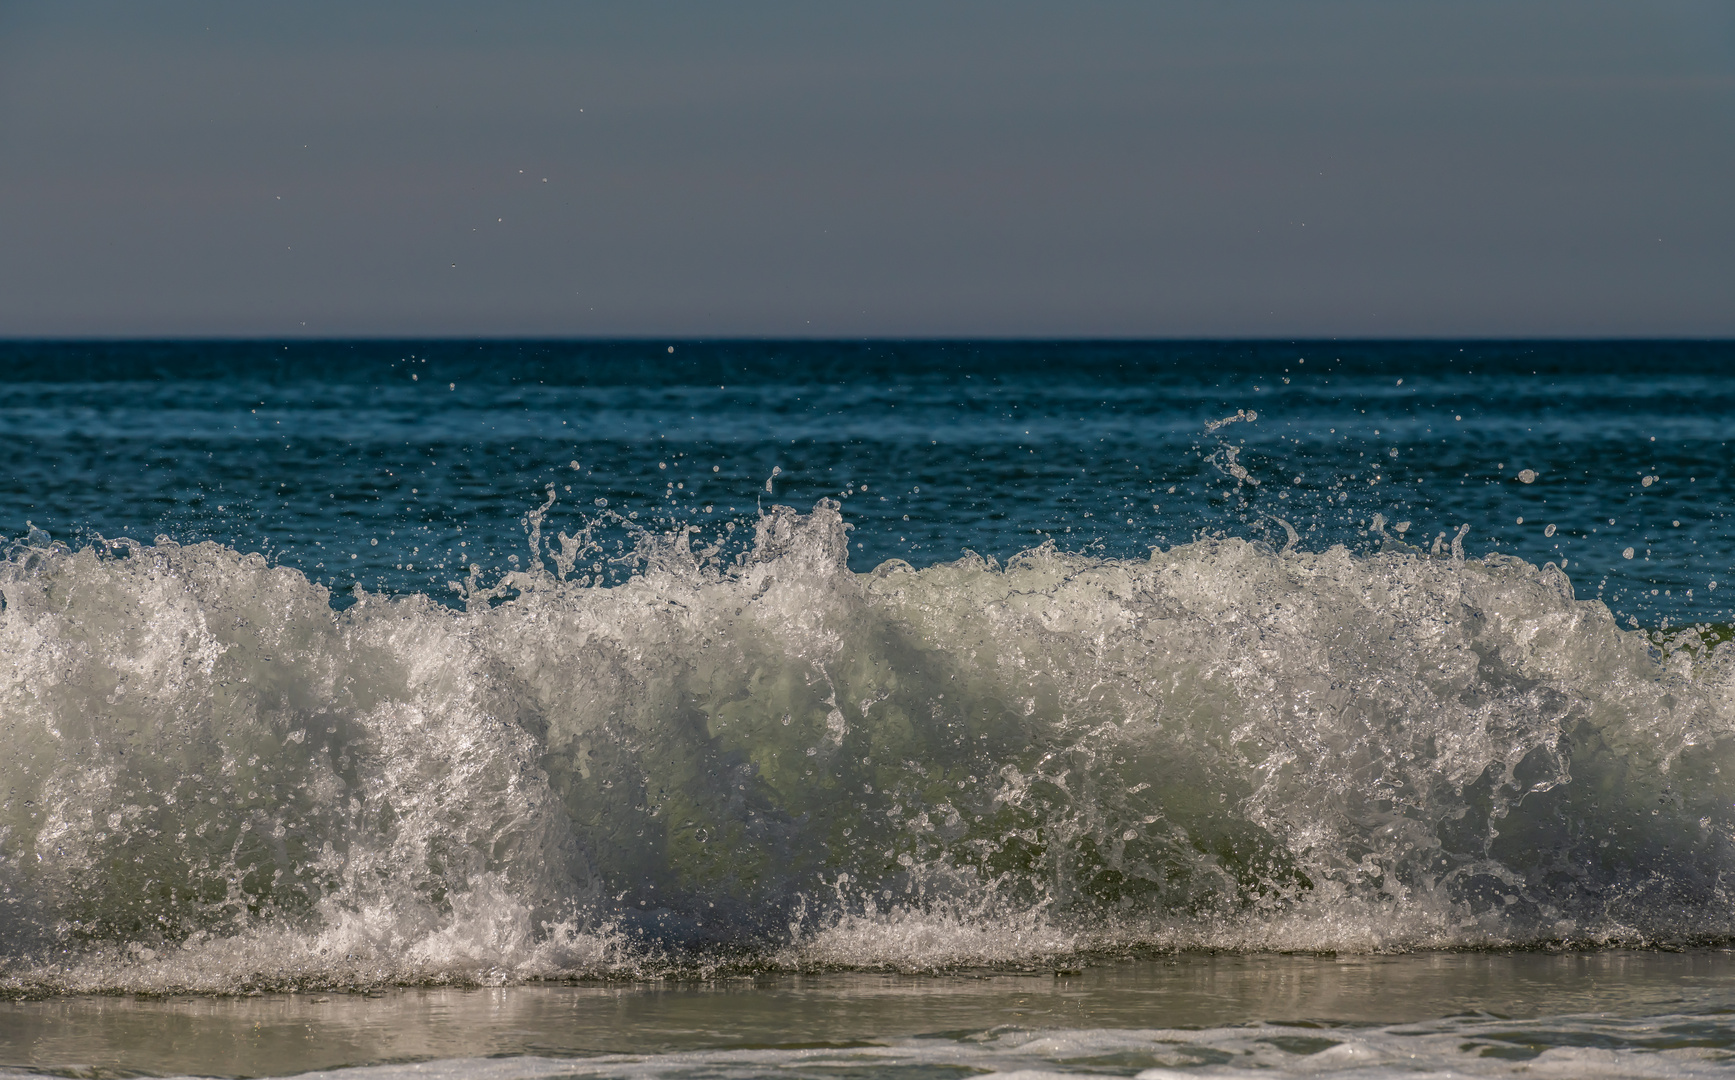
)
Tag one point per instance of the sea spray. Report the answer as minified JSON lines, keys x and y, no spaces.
{"x":215,"y":780}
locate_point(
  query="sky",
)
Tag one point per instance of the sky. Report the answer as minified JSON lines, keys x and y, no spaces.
{"x":1250,"y":168}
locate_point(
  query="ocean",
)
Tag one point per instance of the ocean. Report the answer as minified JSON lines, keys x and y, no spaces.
{"x":511,"y":709}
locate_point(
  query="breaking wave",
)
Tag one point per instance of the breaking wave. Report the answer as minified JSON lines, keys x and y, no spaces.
{"x":215,"y":781}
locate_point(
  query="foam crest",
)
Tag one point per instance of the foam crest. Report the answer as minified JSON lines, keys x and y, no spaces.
{"x":217,"y":780}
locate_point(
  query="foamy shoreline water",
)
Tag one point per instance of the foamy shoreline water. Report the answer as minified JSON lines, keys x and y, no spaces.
{"x":1609,"y":1012}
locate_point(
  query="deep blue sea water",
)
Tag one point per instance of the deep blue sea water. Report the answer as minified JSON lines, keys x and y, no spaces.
{"x":352,"y":460}
{"x":1280,"y":706}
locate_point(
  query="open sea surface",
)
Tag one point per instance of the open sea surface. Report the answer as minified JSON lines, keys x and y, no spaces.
{"x":853,"y":709}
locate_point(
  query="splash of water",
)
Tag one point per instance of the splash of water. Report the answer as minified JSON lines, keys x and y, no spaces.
{"x":215,"y":780}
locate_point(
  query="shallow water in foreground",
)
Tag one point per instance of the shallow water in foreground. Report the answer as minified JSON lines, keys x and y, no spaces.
{"x":1609,"y":1013}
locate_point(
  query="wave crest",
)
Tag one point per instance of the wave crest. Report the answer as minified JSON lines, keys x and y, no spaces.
{"x":776,"y":761}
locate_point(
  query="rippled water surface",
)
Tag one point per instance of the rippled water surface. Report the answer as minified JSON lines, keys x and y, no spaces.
{"x":1612,"y":1013}
{"x":313,"y":451}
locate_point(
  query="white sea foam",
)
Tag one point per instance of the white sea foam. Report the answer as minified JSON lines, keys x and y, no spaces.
{"x":216,"y":781}
{"x":1462,"y":1047}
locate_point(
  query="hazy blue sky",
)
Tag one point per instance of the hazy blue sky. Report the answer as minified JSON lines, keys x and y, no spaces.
{"x":1268,"y":167}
